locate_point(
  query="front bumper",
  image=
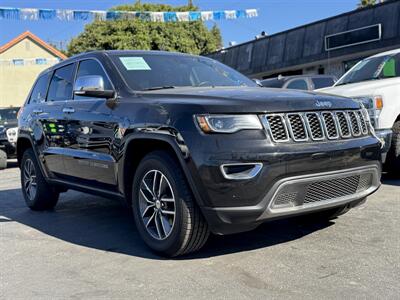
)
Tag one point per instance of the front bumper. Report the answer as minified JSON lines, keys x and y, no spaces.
{"x":298,"y":195}
{"x":232,"y":206}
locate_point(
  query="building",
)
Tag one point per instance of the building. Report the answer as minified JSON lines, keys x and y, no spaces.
{"x":330,"y":46}
{"x":21,"y":60}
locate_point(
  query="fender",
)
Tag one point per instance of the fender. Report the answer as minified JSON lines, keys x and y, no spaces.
{"x":26,"y":136}
{"x":175,"y":142}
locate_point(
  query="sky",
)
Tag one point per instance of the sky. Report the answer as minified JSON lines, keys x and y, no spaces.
{"x":274,"y":16}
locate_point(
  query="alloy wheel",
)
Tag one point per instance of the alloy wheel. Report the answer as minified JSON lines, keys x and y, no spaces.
{"x":30,"y":184}
{"x":157,"y":204}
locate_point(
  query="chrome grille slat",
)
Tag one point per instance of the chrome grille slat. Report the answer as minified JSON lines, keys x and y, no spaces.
{"x":363,"y":124}
{"x":315,"y":126}
{"x":344,"y":125}
{"x":355,"y":124}
{"x":297,"y":127}
{"x":276,"y":125}
{"x":330,"y":125}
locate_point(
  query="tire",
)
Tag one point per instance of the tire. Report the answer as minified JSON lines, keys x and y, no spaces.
{"x":168,"y":234}
{"x":3,"y":160}
{"x":38,"y":194}
{"x":392,"y":164}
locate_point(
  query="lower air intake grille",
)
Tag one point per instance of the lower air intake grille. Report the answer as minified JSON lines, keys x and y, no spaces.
{"x":285,"y":199}
{"x":331,"y":189}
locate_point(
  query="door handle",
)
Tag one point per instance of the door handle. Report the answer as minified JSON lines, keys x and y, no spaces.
{"x":68,"y":110}
{"x":37,"y":111}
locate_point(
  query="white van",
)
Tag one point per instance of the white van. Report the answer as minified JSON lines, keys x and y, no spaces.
{"x":375,"y":81}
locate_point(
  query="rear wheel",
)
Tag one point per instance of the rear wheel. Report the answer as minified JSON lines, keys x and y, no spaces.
{"x":392,"y":163}
{"x":166,"y":215}
{"x":38,"y":194}
{"x":3,"y":160}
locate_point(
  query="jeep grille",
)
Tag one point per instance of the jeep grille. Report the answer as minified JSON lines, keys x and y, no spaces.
{"x":315,"y":126}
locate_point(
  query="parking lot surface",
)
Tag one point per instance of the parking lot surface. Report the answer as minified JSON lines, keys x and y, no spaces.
{"x":89,"y":248}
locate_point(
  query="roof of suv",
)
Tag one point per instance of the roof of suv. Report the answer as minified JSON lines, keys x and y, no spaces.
{"x":97,"y":53}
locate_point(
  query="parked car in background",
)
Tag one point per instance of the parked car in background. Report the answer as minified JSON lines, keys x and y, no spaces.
{"x":300,"y":82}
{"x":191,"y":145}
{"x":375,"y":82}
{"x":8,"y":132}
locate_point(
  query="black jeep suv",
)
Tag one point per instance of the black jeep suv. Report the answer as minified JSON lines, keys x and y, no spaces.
{"x":192,"y":146}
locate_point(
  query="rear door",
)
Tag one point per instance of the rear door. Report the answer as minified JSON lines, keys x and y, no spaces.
{"x":91,"y":127}
{"x":49,"y":116}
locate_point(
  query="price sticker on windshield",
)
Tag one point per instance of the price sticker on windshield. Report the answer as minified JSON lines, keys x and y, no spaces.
{"x":135,"y":63}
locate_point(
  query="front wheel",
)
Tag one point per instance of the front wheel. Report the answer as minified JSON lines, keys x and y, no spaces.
{"x":166,"y":215}
{"x":38,"y":194}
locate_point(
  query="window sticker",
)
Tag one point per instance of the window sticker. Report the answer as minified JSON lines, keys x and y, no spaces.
{"x":135,"y":63}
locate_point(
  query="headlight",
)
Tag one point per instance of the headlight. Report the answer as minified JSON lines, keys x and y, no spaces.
{"x":374,"y":105}
{"x":12,"y":135}
{"x":227,"y":123}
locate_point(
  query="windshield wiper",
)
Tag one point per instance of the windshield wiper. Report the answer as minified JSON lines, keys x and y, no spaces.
{"x":154,"y":88}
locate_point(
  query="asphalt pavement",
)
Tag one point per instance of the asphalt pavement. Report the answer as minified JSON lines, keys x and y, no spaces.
{"x":89,"y":248}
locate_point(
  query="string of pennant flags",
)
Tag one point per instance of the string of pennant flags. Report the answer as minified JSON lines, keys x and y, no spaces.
{"x":35,"y":14}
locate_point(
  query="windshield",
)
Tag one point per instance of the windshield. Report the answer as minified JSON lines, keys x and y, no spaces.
{"x":381,"y":67}
{"x":157,"y":71}
{"x":8,"y":114}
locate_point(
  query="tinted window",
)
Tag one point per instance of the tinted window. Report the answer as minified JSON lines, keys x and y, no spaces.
{"x":92,"y":67}
{"x":61,"y":84}
{"x":357,"y":36}
{"x":39,"y":91}
{"x":321,"y":82}
{"x":150,"y":71}
{"x":298,"y":84}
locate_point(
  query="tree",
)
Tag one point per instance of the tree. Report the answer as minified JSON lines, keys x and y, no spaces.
{"x":189,"y":37}
{"x":366,"y":3}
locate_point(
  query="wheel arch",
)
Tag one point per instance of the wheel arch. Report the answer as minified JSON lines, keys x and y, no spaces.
{"x":23,"y":143}
{"x":139,"y":145}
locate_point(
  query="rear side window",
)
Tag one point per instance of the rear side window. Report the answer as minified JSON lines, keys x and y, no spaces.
{"x":38,"y":94}
{"x":61,"y":84}
{"x":321,"y":82}
{"x":92,"y":67}
{"x":298,"y":84}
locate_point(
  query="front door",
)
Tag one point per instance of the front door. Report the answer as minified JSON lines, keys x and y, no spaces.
{"x":90,"y":134}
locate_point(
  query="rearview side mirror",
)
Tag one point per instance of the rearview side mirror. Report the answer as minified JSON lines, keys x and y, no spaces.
{"x":92,"y":86}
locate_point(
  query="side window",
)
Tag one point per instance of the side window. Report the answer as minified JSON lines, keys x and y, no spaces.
{"x":298,"y":84}
{"x":38,"y":94}
{"x":92,"y":67}
{"x":61,"y":84}
{"x":321,"y":82}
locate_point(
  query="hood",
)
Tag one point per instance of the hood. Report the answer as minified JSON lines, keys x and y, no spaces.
{"x":252,"y":99}
{"x":358,"y":89}
{"x":8,"y":124}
